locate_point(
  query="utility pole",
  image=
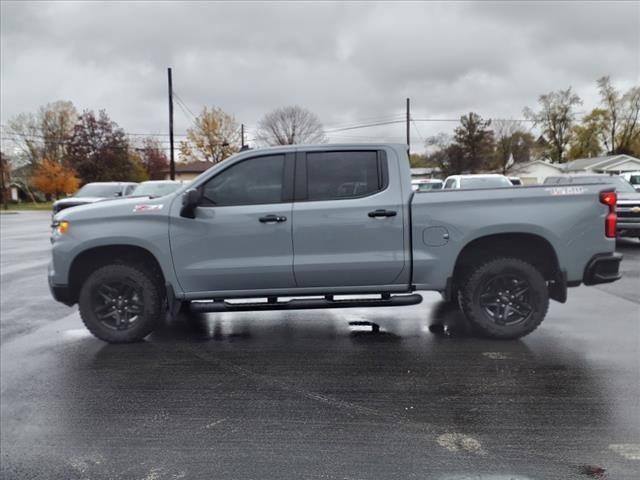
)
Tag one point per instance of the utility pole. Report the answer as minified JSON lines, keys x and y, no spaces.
{"x":408,"y":129}
{"x":172,"y":163}
{"x":242,"y":134}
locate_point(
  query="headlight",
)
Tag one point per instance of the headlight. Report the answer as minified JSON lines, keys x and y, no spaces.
{"x":60,"y":228}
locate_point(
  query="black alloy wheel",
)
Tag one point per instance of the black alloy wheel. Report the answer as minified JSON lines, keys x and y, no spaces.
{"x":505,"y":298}
{"x":118,"y":304}
{"x":121,"y":303}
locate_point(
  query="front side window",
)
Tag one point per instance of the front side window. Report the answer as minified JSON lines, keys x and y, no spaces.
{"x":255,"y":181}
{"x":342,"y":175}
{"x":450,"y":183}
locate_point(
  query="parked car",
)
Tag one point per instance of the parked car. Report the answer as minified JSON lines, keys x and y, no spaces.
{"x":627,"y":206}
{"x":515,"y":181}
{"x":476,"y":181}
{"x":95,"y":192}
{"x":428,"y":185}
{"x":348,"y":213}
{"x":416,"y":183}
{"x":156,"y":188}
{"x":633,"y":178}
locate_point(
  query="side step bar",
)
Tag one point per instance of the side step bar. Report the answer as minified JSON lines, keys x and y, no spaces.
{"x":306,"y":303}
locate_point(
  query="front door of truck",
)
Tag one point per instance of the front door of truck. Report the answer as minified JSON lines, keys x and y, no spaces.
{"x":348,"y":220}
{"x":240,"y":238}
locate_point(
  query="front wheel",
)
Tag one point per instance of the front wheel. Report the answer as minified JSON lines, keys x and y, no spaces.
{"x":505,"y":298}
{"x":120,"y":303}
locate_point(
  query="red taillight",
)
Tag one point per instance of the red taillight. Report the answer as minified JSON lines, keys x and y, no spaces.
{"x":610,"y":199}
{"x":610,"y":225}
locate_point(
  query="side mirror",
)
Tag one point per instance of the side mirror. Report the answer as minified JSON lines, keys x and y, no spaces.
{"x":117,"y":194}
{"x":190,"y":200}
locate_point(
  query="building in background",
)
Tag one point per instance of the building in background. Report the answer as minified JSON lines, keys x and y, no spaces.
{"x":613,"y":165}
{"x":534,"y":172}
{"x":188,"y":171}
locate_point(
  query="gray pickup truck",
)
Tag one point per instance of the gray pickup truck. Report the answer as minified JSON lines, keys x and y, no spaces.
{"x":321,"y":223}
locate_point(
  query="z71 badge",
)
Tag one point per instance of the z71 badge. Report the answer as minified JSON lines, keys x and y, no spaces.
{"x":147,"y":208}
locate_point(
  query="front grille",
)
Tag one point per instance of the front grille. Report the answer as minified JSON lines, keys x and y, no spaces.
{"x":624,"y":210}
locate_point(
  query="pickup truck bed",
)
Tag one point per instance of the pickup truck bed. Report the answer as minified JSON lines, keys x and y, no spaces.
{"x":326,"y":220}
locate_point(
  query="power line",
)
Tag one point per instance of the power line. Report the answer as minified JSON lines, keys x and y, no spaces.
{"x":184,"y":105}
{"x":365,"y":120}
{"x":355,"y":127}
{"x":418,"y":131}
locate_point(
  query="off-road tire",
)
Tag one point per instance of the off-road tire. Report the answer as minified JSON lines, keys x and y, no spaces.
{"x":481,"y":279}
{"x":152,"y":303}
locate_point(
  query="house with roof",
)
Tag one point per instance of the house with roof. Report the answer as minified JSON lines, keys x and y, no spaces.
{"x":188,"y":170}
{"x":612,"y":165}
{"x":534,"y":172}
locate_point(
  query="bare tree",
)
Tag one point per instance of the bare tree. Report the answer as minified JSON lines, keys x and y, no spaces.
{"x":45,"y":134}
{"x":290,"y":125}
{"x":505,"y":131}
{"x":556,"y":119}
{"x":445,"y":154}
{"x":620,"y":116}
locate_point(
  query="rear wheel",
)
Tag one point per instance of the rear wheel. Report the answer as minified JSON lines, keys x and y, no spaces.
{"x":505,"y":298}
{"x":120,"y":303}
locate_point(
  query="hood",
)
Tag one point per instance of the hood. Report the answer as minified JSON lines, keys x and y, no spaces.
{"x":118,"y":208}
{"x":77,"y":200}
{"x":629,"y":196}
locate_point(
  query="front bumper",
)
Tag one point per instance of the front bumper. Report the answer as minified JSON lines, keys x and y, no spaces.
{"x":603,"y":268}
{"x":60,"y":293}
{"x":627,"y":228}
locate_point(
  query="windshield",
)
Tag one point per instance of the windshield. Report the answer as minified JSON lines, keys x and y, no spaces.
{"x":152,"y":189}
{"x":622,"y":185}
{"x":485,"y":182}
{"x":98,"y":190}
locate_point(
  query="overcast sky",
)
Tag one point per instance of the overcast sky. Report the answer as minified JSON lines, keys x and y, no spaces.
{"x":348,"y":62}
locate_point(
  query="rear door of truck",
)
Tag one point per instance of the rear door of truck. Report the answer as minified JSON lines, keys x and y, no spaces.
{"x":348,"y":219}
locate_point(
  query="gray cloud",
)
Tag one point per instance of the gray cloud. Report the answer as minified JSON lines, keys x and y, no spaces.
{"x":345,"y":61}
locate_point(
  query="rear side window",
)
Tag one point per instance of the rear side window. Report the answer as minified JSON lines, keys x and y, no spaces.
{"x":342,"y":175}
{"x":255,"y":181}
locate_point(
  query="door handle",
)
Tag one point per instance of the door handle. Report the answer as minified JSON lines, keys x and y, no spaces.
{"x":382,"y":213}
{"x":272,"y":219}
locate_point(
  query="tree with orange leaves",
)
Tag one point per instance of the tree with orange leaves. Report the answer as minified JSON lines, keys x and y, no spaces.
{"x":54,"y":178}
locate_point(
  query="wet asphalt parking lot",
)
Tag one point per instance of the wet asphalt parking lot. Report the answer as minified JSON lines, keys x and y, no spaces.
{"x":302,"y":395}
